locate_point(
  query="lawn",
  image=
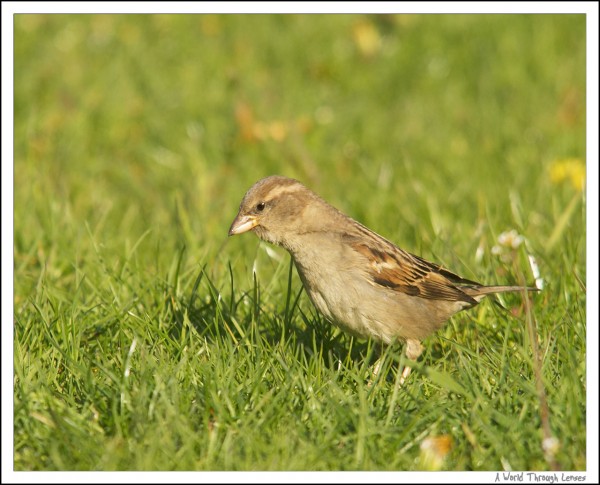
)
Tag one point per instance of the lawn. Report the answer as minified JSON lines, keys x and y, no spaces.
{"x":145,"y":339}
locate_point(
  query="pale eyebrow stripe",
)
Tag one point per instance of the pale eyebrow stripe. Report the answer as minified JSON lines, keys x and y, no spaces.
{"x":275,"y":192}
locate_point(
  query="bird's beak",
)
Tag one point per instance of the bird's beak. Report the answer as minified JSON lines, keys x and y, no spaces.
{"x":242,"y":224}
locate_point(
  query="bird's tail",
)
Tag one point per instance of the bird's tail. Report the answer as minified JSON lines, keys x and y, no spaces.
{"x":479,"y":292}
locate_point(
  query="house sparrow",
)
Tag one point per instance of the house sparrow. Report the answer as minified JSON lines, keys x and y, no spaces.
{"x":356,"y":278}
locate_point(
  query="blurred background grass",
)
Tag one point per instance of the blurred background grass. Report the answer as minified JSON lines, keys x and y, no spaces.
{"x":137,"y":135}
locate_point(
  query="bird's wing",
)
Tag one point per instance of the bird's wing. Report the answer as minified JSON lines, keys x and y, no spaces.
{"x":394,"y":268}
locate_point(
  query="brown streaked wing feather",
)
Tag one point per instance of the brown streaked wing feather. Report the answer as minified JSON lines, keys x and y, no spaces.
{"x":404,"y":272}
{"x":453,"y":277}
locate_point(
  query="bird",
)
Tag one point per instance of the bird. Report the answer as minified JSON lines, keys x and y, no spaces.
{"x":359,"y":280}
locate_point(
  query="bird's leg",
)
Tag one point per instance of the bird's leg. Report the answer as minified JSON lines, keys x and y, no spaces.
{"x":413,"y":350}
{"x":376,"y":367}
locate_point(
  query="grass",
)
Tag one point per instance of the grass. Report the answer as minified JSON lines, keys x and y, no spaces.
{"x":144,"y":339}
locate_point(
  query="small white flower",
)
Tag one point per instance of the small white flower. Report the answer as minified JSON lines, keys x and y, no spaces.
{"x":496,"y":250}
{"x":551,"y":445}
{"x":510,"y":239}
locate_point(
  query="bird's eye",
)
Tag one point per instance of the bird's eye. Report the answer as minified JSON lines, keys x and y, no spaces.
{"x":260,"y":206}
